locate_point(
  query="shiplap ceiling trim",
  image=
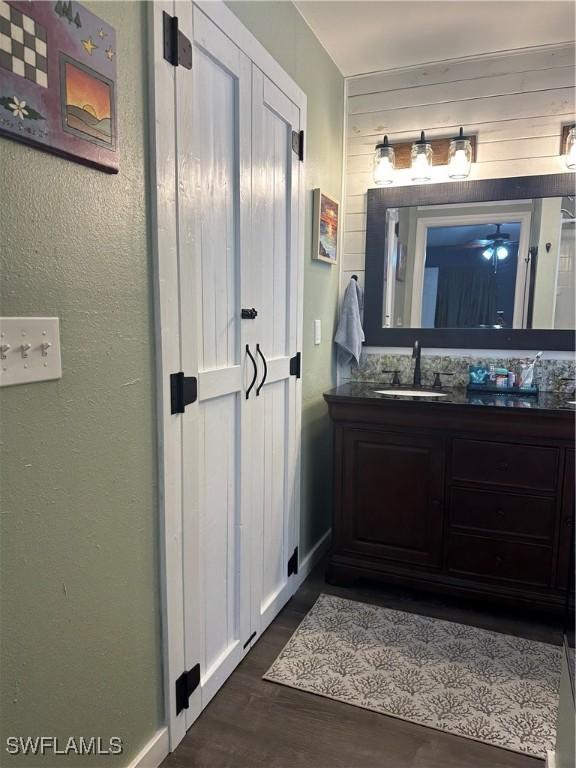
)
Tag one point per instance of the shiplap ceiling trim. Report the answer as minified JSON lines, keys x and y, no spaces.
{"x":467,"y":68}
{"x":486,"y":88}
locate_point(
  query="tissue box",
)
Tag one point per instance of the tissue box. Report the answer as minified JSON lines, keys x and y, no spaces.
{"x":478,"y":374}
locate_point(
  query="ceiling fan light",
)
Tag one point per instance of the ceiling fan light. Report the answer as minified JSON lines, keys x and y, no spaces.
{"x":421,"y":156}
{"x":488,"y":253}
{"x":460,"y":156}
{"x":502,"y":252}
{"x":384,"y":164}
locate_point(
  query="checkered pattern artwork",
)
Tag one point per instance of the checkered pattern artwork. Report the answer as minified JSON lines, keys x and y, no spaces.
{"x":23,"y":45}
{"x":58,"y":80}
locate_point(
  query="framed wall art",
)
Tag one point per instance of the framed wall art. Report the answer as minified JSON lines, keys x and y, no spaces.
{"x":58,"y":80}
{"x":325,"y":229}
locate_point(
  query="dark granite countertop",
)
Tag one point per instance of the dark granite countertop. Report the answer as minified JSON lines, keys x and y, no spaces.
{"x":358,"y":391}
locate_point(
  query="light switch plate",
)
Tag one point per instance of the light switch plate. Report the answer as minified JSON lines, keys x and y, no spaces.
{"x":317,"y":331}
{"x":29,"y":350}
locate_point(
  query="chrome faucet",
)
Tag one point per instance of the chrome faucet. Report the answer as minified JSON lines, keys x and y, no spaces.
{"x":416,"y":352}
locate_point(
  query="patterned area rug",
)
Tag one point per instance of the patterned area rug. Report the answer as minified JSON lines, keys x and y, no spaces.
{"x":495,"y":688}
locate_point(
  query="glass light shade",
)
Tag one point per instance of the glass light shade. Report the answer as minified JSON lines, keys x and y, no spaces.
{"x":384,"y":164}
{"x":459,"y":158}
{"x":571,"y":149}
{"x":488,"y":253}
{"x":502,"y":252}
{"x":421,"y":159}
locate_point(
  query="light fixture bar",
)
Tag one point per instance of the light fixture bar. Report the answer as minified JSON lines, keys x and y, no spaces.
{"x":440,"y":148}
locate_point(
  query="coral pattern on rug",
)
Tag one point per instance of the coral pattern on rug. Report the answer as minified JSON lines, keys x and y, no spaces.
{"x":486,"y":686}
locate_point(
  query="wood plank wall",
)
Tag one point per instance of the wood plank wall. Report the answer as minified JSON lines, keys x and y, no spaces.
{"x":515,"y":102}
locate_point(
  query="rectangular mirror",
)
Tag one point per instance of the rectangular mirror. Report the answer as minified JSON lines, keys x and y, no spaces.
{"x":481,"y":264}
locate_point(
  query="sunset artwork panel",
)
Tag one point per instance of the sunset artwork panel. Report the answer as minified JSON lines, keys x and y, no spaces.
{"x":326,"y":213}
{"x":87,"y":107}
{"x":58,"y":80}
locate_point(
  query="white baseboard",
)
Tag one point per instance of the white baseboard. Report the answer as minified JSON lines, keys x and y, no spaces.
{"x":313,"y":557}
{"x":152,"y":754}
{"x":550,"y":759}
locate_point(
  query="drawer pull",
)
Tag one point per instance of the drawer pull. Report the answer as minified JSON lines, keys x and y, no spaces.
{"x":499,"y":560}
{"x":500,"y":512}
{"x":502,"y":465}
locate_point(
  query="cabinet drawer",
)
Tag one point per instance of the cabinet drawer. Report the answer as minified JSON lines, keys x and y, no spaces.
{"x":506,"y":464}
{"x":478,"y":557}
{"x":502,"y":512}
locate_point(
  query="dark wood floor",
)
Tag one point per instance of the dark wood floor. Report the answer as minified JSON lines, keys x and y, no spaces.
{"x":252,"y":723}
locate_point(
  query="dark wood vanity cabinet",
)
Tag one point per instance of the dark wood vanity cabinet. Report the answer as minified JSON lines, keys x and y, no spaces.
{"x":461,"y":499}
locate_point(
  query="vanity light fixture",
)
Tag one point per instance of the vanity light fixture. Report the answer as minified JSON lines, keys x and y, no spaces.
{"x":384,"y":163}
{"x":421,"y":155}
{"x":460,"y":156}
{"x":570,"y":148}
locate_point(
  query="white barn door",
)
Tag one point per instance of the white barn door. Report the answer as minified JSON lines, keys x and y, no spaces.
{"x":275,"y":206}
{"x":214,"y":144}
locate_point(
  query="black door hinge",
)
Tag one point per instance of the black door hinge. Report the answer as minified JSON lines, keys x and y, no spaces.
{"x":298,"y":144}
{"x":177,"y":47}
{"x":295,"y":365}
{"x":185,"y":687}
{"x":293,"y":563}
{"x":183,"y":391}
{"x":247,"y":643}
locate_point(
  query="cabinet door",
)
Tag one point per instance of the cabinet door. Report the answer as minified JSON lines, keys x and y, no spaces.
{"x":565,"y":540}
{"x":392,"y":503}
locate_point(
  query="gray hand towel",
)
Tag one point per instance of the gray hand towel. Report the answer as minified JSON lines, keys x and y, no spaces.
{"x":350,"y":335}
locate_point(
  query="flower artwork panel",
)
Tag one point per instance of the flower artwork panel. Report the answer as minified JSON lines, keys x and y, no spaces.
{"x":58,"y":80}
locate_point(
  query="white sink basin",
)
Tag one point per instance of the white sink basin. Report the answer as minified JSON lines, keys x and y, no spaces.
{"x":409,"y":393}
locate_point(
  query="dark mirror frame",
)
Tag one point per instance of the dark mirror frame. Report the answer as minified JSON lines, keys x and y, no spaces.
{"x":380,"y":199}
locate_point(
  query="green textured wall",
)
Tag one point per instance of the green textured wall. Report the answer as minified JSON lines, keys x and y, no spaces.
{"x":80,"y":623}
{"x":283,"y":31}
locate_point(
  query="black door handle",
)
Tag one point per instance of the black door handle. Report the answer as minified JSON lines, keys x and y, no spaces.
{"x":251,"y":356}
{"x":259,"y":351}
{"x":249,"y":314}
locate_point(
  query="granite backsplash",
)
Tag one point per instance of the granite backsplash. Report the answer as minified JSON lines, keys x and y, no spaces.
{"x":550,"y":374}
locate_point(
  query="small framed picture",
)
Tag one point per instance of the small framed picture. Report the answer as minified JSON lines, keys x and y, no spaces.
{"x":325,"y":232}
